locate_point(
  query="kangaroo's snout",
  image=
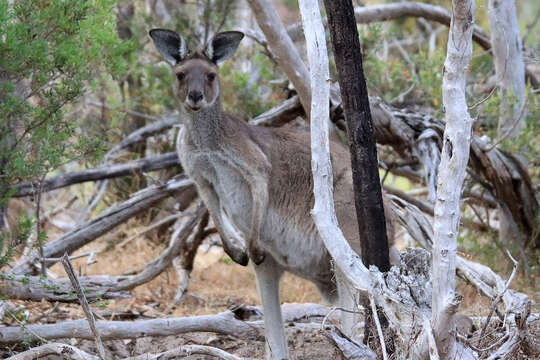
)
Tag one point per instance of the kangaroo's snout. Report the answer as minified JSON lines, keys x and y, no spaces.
{"x":195,"y":96}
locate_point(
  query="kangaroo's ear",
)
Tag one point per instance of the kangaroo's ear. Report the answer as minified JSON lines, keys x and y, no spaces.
{"x":223,"y":46}
{"x":170,"y":45}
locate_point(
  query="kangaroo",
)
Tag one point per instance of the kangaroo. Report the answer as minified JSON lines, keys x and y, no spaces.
{"x":256,"y":183}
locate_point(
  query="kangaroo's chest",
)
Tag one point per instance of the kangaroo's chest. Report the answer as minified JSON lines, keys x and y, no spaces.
{"x":217,"y":170}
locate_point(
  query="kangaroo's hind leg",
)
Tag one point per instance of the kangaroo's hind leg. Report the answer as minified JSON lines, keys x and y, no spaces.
{"x":268,"y":274}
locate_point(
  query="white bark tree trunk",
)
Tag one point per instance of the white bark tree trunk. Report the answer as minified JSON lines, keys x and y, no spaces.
{"x":509,"y":66}
{"x":510,"y":75}
{"x":454,"y":158}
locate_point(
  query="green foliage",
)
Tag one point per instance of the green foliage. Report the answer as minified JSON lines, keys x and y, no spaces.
{"x":418,"y":74}
{"x":50,"y":50}
{"x":241,"y":93}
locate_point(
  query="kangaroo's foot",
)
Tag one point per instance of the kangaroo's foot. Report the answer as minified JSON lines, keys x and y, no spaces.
{"x":256,"y":254}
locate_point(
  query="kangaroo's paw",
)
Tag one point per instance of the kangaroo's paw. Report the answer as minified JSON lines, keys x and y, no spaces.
{"x":237,"y":253}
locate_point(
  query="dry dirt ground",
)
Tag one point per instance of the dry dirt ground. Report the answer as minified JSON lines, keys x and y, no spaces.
{"x":216,"y":284}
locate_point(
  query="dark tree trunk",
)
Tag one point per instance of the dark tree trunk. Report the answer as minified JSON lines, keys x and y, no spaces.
{"x":367,"y":188}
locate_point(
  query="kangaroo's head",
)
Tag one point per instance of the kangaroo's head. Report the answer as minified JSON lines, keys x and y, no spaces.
{"x":197,"y":82}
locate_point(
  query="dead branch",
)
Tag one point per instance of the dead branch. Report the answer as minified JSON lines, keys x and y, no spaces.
{"x":35,"y":288}
{"x":428,"y":209}
{"x":281,"y":114}
{"x":511,"y":186}
{"x":283,"y":49}
{"x":68,"y":267}
{"x":142,"y":134}
{"x":222,"y":323}
{"x":155,"y":267}
{"x":188,"y":350}
{"x":386,"y":12}
{"x":229,"y":322}
{"x":110,"y":218}
{"x":63,"y":350}
{"x":351,"y":350}
{"x":518,"y":336}
{"x":482,"y":277}
{"x":500,"y":295}
{"x":105,"y":172}
{"x":183,"y":263}
{"x":158,"y":223}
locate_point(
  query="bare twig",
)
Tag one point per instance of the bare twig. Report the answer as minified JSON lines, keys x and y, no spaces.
{"x":84,"y":303}
{"x":500,"y":296}
{"x":163,"y":221}
{"x":511,"y":129}
{"x":39,"y":239}
{"x":378,"y":324}
{"x":90,"y":254}
{"x":156,"y":266}
{"x":47,"y":216}
{"x":24,"y":328}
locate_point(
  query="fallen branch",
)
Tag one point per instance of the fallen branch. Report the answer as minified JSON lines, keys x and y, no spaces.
{"x":106,"y":172}
{"x":155,"y":267}
{"x":36,"y":288}
{"x":223,"y":323}
{"x":63,"y":350}
{"x":109,"y":219}
{"x":420,"y":228}
{"x":228,"y":322}
{"x":188,"y":350}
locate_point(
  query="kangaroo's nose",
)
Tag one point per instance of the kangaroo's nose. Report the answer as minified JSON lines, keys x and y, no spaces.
{"x":195,"y":96}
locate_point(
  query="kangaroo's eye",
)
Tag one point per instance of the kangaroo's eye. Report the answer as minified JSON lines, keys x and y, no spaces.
{"x":211,"y":77}
{"x":180,"y":76}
